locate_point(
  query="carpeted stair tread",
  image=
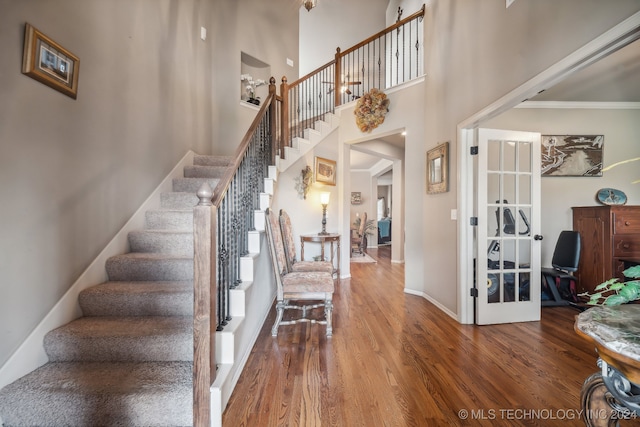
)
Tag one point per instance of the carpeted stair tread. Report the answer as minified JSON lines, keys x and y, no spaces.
{"x":178,"y":200}
{"x":140,"y":339}
{"x":170,"y":219}
{"x":177,"y":242}
{"x":128,"y":361}
{"x":101,"y":394}
{"x":138,"y":299}
{"x":137,"y":266}
{"x":196,"y":171}
{"x":203,"y":160}
{"x":192,"y":185}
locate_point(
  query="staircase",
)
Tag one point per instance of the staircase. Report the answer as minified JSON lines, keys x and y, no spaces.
{"x":312,"y":137}
{"x":128,"y":360}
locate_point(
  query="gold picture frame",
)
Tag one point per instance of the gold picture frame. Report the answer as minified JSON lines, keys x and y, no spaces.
{"x":47,"y":62}
{"x":438,"y":169}
{"x":325,"y":171}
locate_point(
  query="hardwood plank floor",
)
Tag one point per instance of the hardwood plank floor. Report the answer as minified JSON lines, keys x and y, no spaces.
{"x":397,"y":360}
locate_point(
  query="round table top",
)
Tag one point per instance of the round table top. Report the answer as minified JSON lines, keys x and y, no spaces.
{"x":615,"y":331}
{"x":615,"y":327}
{"x":319,"y":237}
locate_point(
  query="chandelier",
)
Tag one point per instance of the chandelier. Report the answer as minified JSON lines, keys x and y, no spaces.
{"x":309,"y":4}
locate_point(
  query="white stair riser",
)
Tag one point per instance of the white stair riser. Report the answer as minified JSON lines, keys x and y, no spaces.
{"x":246,"y":268}
{"x":269,"y":186}
{"x":273,"y":173}
{"x":300,"y":146}
{"x":254,"y":242}
{"x":312,"y":135}
{"x":265,"y":201}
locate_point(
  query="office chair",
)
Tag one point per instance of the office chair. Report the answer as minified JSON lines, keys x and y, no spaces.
{"x":558,"y":282}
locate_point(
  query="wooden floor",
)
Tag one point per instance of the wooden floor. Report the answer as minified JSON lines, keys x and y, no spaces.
{"x":397,"y":360}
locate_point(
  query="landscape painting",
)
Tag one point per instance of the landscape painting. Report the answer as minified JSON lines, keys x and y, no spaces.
{"x":572,"y":155}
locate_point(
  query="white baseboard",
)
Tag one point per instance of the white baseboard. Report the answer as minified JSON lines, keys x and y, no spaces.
{"x":31,"y":355}
{"x":434,"y":302}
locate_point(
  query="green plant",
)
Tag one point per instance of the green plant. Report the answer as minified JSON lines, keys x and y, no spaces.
{"x":369,"y":228}
{"x":615,"y":292}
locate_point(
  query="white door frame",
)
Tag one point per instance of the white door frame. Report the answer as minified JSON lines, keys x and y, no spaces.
{"x":617,"y":37}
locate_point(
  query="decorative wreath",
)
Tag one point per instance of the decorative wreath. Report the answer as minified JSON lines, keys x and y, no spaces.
{"x":371,"y":109}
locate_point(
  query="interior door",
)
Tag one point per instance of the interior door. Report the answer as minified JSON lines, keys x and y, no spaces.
{"x":508,"y":230}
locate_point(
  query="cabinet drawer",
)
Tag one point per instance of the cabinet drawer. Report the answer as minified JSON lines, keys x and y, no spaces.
{"x":626,"y":245}
{"x":626,"y":222}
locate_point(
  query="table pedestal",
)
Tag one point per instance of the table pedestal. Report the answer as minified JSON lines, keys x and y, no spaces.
{"x":322,"y":239}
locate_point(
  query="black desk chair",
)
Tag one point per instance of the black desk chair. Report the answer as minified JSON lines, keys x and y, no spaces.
{"x":558,"y":282}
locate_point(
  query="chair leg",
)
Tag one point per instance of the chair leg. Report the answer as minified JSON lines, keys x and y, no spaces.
{"x":279,"y":313}
{"x":328,"y":309}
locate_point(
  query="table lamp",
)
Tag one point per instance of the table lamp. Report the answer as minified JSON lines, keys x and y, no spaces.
{"x":324,"y":200}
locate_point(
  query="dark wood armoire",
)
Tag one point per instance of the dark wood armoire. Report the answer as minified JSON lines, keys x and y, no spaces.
{"x":610,"y":238}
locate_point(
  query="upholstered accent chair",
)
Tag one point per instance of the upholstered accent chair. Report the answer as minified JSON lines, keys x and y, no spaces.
{"x":290,"y":250}
{"x":297,"y":286}
{"x":358,"y":238}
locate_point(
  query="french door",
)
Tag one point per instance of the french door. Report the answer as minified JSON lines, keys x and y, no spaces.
{"x":508,"y":227}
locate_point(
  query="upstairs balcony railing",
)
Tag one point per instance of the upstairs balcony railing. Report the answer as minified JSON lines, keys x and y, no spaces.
{"x":387,"y":59}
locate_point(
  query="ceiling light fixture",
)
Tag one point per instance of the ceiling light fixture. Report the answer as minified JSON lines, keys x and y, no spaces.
{"x":310,"y":4}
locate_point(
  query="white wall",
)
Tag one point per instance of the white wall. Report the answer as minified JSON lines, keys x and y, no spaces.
{"x":361,"y":181}
{"x":306,"y":214}
{"x":406,"y":112}
{"x":559,"y":194}
{"x":336,"y":23}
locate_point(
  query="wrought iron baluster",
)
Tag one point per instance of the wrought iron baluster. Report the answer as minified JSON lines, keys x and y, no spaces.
{"x":379,"y":65}
{"x":236,"y":232}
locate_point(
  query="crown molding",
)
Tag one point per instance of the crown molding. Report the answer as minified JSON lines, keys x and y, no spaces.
{"x":580,"y":105}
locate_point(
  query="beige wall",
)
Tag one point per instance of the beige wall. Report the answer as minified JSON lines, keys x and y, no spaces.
{"x":476,"y":53}
{"x":266,"y":30}
{"x":72,"y":172}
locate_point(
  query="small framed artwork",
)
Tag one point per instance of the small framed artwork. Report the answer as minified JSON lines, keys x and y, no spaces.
{"x":438,"y":169}
{"x":325,"y":171}
{"x":46,"y":61}
{"x":572,"y":155}
{"x":356,"y":197}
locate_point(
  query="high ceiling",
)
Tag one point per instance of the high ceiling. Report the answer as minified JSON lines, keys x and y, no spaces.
{"x":615,"y":78}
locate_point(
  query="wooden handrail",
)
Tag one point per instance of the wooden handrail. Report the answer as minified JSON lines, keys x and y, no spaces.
{"x":379,"y":34}
{"x":216,"y":258}
{"x":226,"y":179}
{"x":285,"y":88}
{"x":313,"y":73}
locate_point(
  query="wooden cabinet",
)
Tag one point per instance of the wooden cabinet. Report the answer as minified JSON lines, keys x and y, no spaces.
{"x":610,"y":238}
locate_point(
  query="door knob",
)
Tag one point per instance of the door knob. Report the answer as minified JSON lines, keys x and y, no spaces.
{"x":537,"y":237}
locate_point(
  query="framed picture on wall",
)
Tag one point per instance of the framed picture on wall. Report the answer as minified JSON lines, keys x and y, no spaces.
{"x":438,"y":169}
{"x":572,"y":155}
{"x":325,"y":171}
{"x":46,"y":61}
{"x":356,"y":197}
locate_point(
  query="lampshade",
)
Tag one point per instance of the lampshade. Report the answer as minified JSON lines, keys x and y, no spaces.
{"x":324,"y":198}
{"x":309,"y":4}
